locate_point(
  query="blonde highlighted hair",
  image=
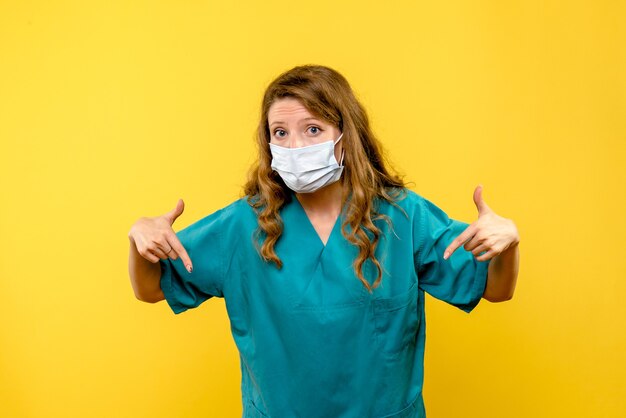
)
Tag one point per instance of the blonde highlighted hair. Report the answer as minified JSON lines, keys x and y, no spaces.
{"x":326,"y":94}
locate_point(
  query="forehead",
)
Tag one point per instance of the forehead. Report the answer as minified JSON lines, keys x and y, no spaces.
{"x":287,"y":108}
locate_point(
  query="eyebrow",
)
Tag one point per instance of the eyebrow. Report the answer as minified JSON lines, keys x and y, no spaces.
{"x":280,"y":121}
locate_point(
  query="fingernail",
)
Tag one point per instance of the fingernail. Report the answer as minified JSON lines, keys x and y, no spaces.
{"x":446,"y":255}
{"x":189,"y":268}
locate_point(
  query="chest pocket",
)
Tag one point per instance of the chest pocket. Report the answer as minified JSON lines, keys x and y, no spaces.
{"x":396,"y":321}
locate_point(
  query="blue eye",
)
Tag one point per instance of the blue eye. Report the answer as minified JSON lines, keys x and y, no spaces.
{"x":316,"y":129}
{"x":277,"y":130}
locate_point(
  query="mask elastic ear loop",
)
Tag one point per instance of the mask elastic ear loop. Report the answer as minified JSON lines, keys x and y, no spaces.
{"x":342,"y":149}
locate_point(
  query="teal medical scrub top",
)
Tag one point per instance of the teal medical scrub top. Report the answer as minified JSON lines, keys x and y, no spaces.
{"x":313,"y":342}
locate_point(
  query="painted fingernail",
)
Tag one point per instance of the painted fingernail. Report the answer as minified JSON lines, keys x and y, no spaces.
{"x":189,"y":268}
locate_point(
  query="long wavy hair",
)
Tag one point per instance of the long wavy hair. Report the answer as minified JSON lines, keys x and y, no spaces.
{"x":326,"y":94}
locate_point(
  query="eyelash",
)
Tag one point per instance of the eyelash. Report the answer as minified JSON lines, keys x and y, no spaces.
{"x":312,"y":126}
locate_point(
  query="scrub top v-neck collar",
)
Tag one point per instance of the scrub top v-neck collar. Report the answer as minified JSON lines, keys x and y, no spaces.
{"x":309,"y":225}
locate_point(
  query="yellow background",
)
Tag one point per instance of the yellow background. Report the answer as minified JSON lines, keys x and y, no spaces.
{"x":113,"y":110}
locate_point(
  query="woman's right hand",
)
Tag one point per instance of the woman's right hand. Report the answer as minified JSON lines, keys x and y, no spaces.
{"x":155,"y":239}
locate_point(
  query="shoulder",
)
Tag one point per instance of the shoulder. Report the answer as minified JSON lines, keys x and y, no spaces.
{"x":236,"y":209}
{"x":234,"y":215}
{"x":417,"y":203}
{"x":414,"y":208}
{"x":404,"y":200}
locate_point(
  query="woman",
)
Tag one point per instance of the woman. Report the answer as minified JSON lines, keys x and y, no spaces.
{"x":324,"y":262}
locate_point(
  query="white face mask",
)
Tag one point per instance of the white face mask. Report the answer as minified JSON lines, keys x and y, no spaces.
{"x":306,"y":169}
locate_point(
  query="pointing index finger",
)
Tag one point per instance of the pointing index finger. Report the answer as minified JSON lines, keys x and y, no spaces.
{"x":458,"y":241}
{"x":180,"y":250}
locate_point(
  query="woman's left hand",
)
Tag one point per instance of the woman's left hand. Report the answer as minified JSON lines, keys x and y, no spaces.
{"x":490,"y":232}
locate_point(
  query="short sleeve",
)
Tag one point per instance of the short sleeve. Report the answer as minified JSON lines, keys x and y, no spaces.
{"x":201,"y":240}
{"x":461,"y":279}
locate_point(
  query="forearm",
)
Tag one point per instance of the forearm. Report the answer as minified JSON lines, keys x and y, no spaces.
{"x":502,"y":275}
{"x":144,"y":276}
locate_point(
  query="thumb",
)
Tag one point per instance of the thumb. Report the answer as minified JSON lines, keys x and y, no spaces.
{"x":478,"y":200}
{"x":175,"y":213}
